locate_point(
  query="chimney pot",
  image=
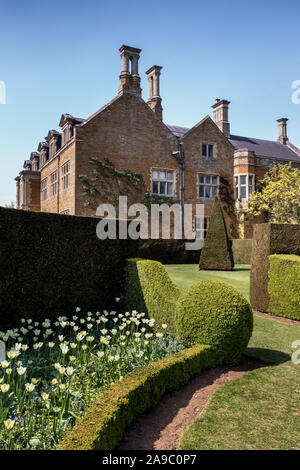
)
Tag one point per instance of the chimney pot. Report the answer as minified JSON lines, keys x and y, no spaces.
{"x":129,"y":78}
{"x":154,"y":101}
{"x":282,"y":131}
{"x":221,"y":116}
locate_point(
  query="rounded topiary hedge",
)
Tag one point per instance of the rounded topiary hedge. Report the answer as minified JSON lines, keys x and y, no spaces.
{"x":215,"y":313}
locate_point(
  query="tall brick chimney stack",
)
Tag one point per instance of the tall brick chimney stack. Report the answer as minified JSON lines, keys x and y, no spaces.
{"x":129,"y":77}
{"x":221,"y":116}
{"x":282,"y":131}
{"x":154,"y":100}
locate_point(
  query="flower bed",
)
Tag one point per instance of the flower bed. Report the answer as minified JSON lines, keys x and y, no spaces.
{"x":55,"y":370}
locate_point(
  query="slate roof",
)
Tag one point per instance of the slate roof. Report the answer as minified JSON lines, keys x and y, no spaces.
{"x":261,"y":147}
{"x":265,"y":148}
{"x":177,"y":130}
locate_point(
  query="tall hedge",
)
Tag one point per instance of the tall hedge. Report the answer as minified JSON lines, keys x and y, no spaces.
{"x":168,"y":251}
{"x":149,"y":289}
{"x":284,"y":286}
{"x":51,"y":263}
{"x":269,"y":239}
{"x":216,"y":253}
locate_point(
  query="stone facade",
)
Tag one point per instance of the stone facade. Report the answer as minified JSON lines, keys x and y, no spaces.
{"x":180,"y":164}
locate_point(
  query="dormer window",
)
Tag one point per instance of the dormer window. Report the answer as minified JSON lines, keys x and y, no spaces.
{"x":65,"y":135}
{"x":52,"y":148}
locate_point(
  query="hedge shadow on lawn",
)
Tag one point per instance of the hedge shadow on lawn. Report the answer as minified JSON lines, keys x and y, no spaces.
{"x":271,"y":356}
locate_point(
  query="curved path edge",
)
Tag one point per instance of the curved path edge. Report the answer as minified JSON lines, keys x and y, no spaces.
{"x":162,"y":427}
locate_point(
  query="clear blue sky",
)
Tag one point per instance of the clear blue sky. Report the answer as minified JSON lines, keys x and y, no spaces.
{"x":59,"y":57}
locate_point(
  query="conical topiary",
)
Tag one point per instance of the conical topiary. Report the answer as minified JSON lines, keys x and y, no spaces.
{"x":216,"y":253}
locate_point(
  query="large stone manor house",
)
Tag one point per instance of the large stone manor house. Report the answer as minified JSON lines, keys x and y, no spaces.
{"x":186,"y":165}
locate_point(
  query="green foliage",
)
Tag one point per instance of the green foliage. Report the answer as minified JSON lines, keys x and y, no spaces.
{"x":107,"y":183}
{"x":283,"y":286}
{"x":279,"y":195}
{"x":216,"y":253}
{"x":167,"y":251}
{"x":149,"y":289}
{"x":269,"y":239}
{"x":51,"y":264}
{"x":215,"y":313}
{"x":103,"y":425}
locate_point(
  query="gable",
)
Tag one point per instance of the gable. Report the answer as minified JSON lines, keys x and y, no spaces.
{"x":130,"y":117}
{"x":206,"y":129}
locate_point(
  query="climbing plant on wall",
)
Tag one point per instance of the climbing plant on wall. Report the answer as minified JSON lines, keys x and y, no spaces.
{"x":106,"y":183}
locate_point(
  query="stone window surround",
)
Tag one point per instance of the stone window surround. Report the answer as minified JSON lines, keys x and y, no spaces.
{"x":66,"y":212}
{"x":238,"y":185}
{"x":207,"y":143}
{"x":199,"y":173}
{"x":173,"y":181}
{"x":53,"y":184}
{"x":67,"y":133}
{"x":201,"y":230}
{"x":44,"y":189}
{"x":65,"y":175}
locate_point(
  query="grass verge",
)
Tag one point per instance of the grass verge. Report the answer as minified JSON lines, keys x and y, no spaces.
{"x":261,"y":409}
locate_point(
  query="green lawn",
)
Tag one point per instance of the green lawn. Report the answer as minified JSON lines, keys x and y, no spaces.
{"x":261,"y":409}
{"x":185,"y":275}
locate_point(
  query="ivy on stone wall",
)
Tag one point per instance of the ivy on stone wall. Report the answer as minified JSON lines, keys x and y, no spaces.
{"x":107,"y":183}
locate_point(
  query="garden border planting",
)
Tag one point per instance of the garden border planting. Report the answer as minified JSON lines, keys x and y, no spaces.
{"x":105,"y":421}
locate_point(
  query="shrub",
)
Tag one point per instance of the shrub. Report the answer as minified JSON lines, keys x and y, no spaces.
{"x":283,"y":286}
{"x":104,"y":423}
{"x":51,"y":263}
{"x":215,"y":313}
{"x":269,"y":239}
{"x":168,"y":251}
{"x":216,"y":253}
{"x":149,"y":289}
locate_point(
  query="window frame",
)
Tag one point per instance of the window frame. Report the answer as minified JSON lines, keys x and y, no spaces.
{"x":53,"y":184}
{"x":246,"y":185}
{"x":44,"y":189}
{"x":207,"y":145}
{"x":65,"y":176}
{"x":163,"y":180}
{"x":66,"y":212}
{"x":210,"y":185}
{"x":201,"y":230}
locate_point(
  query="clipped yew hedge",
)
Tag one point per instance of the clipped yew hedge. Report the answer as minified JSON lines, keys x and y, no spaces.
{"x":216,"y":253}
{"x":284,"y":286}
{"x":104,"y":423}
{"x":149,"y":289}
{"x":168,"y":251}
{"x":217,"y":314}
{"x":269,"y":239}
{"x":51,"y":263}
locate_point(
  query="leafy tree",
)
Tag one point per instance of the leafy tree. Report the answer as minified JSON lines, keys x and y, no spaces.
{"x":279,"y":195}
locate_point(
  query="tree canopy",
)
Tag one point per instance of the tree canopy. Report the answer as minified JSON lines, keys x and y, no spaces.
{"x":279,"y":195}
